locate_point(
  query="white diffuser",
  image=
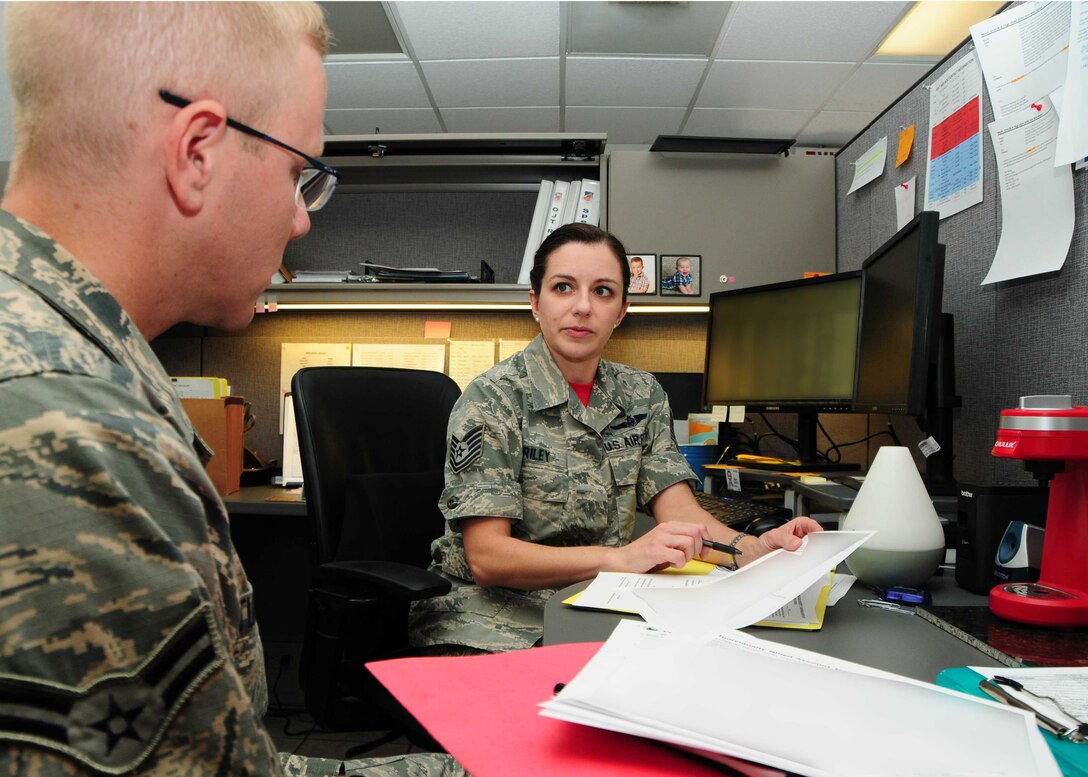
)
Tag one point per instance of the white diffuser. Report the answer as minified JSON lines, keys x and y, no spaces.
{"x":909,"y":544}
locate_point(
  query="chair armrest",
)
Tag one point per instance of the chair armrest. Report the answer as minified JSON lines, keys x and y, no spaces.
{"x":402,"y":581}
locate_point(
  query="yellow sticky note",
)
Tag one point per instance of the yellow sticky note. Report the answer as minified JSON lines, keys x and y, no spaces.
{"x":437,"y":329}
{"x":906,"y":142}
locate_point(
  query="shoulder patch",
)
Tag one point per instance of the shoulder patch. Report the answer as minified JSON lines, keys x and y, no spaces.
{"x":113,"y":724}
{"x":467,"y":449}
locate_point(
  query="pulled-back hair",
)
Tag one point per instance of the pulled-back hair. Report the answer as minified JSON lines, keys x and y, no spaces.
{"x":577,"y":233}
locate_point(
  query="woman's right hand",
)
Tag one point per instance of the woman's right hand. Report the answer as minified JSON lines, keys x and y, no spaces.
{"x":668,"y":544}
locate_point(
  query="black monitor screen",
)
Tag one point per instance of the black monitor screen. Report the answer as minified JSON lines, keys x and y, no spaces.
{"x":784,"y":346}
{"x":901,"y":300}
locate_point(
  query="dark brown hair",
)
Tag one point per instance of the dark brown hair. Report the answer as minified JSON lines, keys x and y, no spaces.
{"x":577,"y":233}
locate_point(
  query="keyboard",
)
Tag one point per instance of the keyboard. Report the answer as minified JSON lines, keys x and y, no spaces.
{"x":737,"y":512}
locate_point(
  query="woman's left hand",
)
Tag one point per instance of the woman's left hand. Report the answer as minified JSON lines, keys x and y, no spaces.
{"x":788,"y":536}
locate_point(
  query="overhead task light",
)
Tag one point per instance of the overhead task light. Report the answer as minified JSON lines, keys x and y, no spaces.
{"x":932,"y":29}
{"x":454,"y":306}
{"x":693,"y":144}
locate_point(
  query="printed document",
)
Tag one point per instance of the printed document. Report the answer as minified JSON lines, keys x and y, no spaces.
{"x":427,"y":356}
{"x":954,"y":162}
{"x":1037,"y":212}
{"x":753,"y":592}
{"x":793,"y":709}
{"x":870,"y":165}
{"x":295,"y":356}
{"x":1023,"y":54}
{"x":1073,"y":124}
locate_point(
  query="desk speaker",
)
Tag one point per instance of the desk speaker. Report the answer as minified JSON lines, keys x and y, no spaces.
{"x":983,"y":514}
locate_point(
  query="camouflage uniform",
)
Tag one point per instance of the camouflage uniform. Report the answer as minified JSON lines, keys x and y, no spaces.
{"x":522,"y":446}
{"x":127,"y":633}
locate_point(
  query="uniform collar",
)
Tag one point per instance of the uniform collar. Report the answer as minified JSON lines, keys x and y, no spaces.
{"x":41,"y":264}
{"x":550,"y":389}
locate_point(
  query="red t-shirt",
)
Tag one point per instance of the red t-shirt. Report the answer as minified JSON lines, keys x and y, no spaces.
{"x":583,"y":391}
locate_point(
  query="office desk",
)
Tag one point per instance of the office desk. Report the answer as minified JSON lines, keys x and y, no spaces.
{"x":799,"y":496}
{"x":254,"y":500}
{"x":892,"y":641}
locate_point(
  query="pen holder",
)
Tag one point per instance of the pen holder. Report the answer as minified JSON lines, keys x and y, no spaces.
{"x":909,"y":542}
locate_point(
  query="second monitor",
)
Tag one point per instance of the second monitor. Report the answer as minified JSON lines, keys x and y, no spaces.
{"x":786,"y":347}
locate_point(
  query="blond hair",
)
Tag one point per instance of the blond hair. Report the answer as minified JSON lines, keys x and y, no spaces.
{"x":85,"y":75}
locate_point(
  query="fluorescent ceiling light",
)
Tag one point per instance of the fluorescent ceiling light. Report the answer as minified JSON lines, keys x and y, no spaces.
{"x":932,"y":29}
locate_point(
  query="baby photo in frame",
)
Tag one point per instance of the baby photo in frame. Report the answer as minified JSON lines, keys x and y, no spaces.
{"x":680,"y":274}
{"x":643,"y":274}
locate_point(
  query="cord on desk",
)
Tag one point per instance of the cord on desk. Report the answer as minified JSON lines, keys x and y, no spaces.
{"x":837,"y":446}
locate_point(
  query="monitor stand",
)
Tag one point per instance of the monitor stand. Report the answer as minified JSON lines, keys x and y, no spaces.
{"x":807,"y":459}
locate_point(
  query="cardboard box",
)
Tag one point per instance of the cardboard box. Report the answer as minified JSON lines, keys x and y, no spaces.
{"x":219,"y":423}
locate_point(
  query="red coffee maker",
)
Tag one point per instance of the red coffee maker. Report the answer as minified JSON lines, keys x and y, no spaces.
{"x":1051,"y":436}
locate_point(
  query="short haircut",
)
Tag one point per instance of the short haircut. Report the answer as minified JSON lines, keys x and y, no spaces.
{"x":578,"y":233}
{"x":636,"y":259}
{"x":84,"y":75}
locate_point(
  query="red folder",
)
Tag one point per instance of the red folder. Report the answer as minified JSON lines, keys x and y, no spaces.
{"x":483,"y":710}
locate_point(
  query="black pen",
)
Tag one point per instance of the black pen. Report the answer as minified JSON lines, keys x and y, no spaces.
{"x":722,"y":547}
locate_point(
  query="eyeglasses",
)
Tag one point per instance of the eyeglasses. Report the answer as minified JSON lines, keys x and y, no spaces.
{"x":315,"y":185}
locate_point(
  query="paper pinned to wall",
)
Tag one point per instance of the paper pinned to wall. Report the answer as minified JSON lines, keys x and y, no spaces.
{"x":870,"y":165}
{"x":295,"y":356}
{"x":1037,"y":213}
{"x":906,"y":143}
{"x":954,"y":163}
{"x":469,"y":358}
{"x":904,"y":202}
{"x":1073,"y":121}
{"x":427,"y":356}
{"x":508,"y":348}
{"x":1023,"y":53}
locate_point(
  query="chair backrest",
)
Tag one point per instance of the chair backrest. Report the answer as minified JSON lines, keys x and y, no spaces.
{"x":355,"y":422}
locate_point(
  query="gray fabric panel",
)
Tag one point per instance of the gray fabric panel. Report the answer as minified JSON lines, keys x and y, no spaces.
{"x":1012,"y":338}
{"x":448,"y":230}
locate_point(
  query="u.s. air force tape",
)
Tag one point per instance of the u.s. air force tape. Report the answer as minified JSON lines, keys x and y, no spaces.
{"x":467,"y":449}
{"x":113,"y":724}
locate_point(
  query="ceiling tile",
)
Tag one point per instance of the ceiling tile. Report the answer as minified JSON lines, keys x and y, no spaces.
{"x":625,"y":125}
{"x":493,"y":83}
{"x":375,"y":84}
{"x":780,"y":85}
{"x":536,"y":119}
{"x":645,"y":28}
{"x":373,"y":122}
{"x":874,"y":87}
{"x":468,"y":30}
{"x":360,"y":28}
{"x":718,"y":123}
{"x":632,"y":81}
{"x":834,"y":128}
{"x":809,"y":30}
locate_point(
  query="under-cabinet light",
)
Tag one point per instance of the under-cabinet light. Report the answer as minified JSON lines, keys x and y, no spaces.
{"x":455,"y":306}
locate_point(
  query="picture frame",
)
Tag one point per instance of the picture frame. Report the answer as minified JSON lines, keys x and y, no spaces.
{"x":648,"y":265}
{"x":668,"y":271}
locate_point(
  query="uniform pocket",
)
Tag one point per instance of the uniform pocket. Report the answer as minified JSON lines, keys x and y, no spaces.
{"x":625,"y":467}
{"x":546,"y":482}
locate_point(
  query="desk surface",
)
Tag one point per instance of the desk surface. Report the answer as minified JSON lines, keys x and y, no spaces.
{"x":892,"y":641}
{"x":831,"y":494}
{"x":264,"y":500}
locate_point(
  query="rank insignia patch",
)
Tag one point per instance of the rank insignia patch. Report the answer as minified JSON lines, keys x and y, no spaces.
{"x":467,"y":449}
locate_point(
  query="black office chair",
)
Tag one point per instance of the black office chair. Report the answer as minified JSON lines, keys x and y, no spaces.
{"x":372,"y":442}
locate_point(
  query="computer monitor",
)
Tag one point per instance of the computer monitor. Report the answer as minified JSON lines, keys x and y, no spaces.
{"x":786,"y":347}
{"x":901,"y":289}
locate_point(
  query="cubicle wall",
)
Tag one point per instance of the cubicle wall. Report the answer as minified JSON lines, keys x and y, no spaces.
{"x":1019,"y":337}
